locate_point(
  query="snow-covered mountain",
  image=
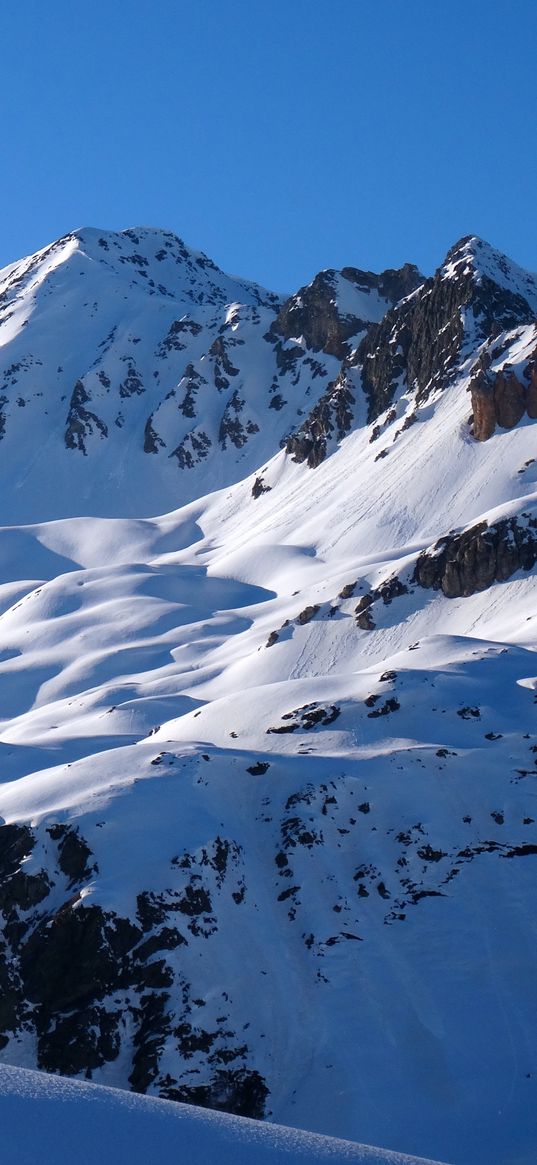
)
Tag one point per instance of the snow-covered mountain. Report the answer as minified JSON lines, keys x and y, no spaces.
{"x":269,"y":758}
{"x":128,"y":359}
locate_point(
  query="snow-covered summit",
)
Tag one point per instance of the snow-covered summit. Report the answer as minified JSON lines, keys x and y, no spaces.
{"x":473,"y":256}
{"x":157,"y":261}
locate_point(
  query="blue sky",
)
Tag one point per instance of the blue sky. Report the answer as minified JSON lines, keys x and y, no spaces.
{"x":278,"y":137}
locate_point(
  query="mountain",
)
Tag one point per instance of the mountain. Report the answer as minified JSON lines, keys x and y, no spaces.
{"x":269,"y":756}
{"x":129,"y":359}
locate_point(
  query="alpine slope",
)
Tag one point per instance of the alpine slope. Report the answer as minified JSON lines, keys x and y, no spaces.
{"x":103,"y":1124}
{"x":267,"y":690}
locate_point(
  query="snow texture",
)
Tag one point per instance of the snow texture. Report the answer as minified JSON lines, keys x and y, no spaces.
{"x":50,"y":1119}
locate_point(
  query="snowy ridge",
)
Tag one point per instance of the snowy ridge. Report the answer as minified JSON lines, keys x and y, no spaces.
{"x":268,"y":759}
{"x":104,"y":1124}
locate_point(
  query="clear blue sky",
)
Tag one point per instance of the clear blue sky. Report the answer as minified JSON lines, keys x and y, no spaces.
{"x":279,"y":136}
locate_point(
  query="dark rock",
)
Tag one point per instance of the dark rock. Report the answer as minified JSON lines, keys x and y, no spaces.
{"x":73,"y":853}
{"x":419,"y":341}
{"x":329,"y":421}
{"x":259,"y":488}
{"x":195,"y":901}
{"x":80,"y":1042}
{"x":428,"y":854}
{"x":222,"y":363}
{"x":172,"y":342}
{"x":391,"y":589}
{"x":232,"y":428}
{"x":193,"y":449}
{"x":75,"y":958}
{"x":390,"y":705}
{"x":364,"y":617}
{"x":13,"y":1006}
{"x":483,"y":409}
{"x":192,"y":381}
{"x":509,"y":399}
{"x":16,"y":843}
{"x":167,"y":939}
{"x":132,"y":385}
{"x":153,"y":1026}
{"x":347,"y":591}
{"x":463,"y":564}
{"x":80,"y":421}
{"x":23,"y":890}
{"x":152,"y":441}
{"x":277,"y":402}
{"x":307,"y":614}
{"x":313,"y":313}
{"x":241,"y":1091}
{"x":521,"y":851}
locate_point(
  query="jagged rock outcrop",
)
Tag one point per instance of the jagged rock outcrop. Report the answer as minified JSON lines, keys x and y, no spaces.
{"x":314,"y":314}
{"x":483,"y":406}
{"x":70,"y":971}
{"x":418,"y":342}
{"x":392,"y":588}
{"x":80,"y":421}
{"x":500,"y":400}
{"x":331,"y":417}
{"x":462,"y":564}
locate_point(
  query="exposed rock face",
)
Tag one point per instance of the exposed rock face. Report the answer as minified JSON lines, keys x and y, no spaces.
{"x":71,"y":972}
{"x":419,"y":341}
{"x":233,"y":1090}
{"x":501,"y":399}
{"x":152,"y":441}
{"x":331,"y":417}
{"x":393,"y":284}
{"x":392,"y":588}
{"x":80,"y":421}
{"x":509,"y":400}
{"x":483,"y":407}
{"x":462,"y":564}
{"x":313,"y":312}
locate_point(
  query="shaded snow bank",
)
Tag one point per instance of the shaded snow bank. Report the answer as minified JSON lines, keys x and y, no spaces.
{"x":48,"y":1118}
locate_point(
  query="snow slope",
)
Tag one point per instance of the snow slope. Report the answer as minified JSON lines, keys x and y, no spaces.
{"x":50,"y":1119}
{"x":268,"y":763}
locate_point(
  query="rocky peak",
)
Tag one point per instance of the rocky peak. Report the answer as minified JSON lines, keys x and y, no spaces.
{"x":503,"y":393}
{"x":474,"y":296}
{"x":395,"y":283}
{"x":338,"y":305}
{"x":477,"y":260}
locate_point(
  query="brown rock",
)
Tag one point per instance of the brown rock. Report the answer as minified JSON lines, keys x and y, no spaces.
{"x":509,"y":399}
{"x":464,"y":564}
{"x":483,"y":407}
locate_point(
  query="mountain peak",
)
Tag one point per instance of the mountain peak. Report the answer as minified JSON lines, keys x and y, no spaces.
{"x":474,"y":257}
